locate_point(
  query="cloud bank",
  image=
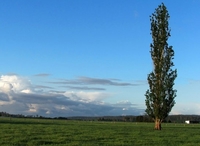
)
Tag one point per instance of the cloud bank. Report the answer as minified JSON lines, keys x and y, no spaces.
{"x":19,"y":96}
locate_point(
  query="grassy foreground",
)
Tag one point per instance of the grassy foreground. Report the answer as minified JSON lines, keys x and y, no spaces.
{"x":36,"y":132}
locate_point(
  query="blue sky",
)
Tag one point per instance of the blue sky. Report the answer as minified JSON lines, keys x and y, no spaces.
{"x":91,"y":57}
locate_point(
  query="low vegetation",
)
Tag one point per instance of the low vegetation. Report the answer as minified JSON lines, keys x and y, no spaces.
{"x":50,"y":132}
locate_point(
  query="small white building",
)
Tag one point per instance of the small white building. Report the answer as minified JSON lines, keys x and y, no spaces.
{"x":191,"y":122}
{"x":187,"y":122}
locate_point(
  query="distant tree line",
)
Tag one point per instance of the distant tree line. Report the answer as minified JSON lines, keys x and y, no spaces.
{"x":145,"y":118}
{"x":128,"y":118}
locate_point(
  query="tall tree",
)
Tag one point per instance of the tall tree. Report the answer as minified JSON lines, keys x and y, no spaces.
{"x":160,"y":95}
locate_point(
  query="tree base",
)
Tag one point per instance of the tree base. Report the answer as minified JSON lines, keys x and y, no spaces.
{"x":157,"y":125}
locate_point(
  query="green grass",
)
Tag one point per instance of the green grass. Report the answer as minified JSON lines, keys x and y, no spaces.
{"x":36,"y":132}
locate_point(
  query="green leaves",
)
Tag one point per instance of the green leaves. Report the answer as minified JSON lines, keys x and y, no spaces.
{"x":160,"y":95}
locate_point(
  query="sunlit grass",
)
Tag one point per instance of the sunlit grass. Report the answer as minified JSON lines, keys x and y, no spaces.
{"x":35,"y":132}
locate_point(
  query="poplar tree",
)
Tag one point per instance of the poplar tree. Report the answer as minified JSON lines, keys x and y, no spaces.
{"x":160,"y":95}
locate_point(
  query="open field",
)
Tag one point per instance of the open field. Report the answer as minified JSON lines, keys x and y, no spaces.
{"x":35,"y":132}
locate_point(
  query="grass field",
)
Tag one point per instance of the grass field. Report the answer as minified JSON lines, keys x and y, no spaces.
{"x":36,"y":132}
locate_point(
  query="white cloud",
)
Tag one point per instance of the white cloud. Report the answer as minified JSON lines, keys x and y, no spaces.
{"x":5,"y":86}
{"x":19,"y":96}
{"x":189,"y":108}
{"x":26,"y":91}
{"x":14,"y":83}
{"x":87,"y":96}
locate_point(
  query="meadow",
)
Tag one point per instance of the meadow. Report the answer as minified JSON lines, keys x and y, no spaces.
{"x":49,"y":132}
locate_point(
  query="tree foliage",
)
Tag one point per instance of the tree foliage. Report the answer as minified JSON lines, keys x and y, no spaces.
{"x":160,"y":95}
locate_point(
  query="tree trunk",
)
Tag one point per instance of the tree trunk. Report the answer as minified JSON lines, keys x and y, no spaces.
{"x":157,"y":124}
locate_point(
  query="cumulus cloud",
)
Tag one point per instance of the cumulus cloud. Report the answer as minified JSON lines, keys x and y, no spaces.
{"x":19,"y":96}
{"x":14,"y":83}
{"x":5,"y":86}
